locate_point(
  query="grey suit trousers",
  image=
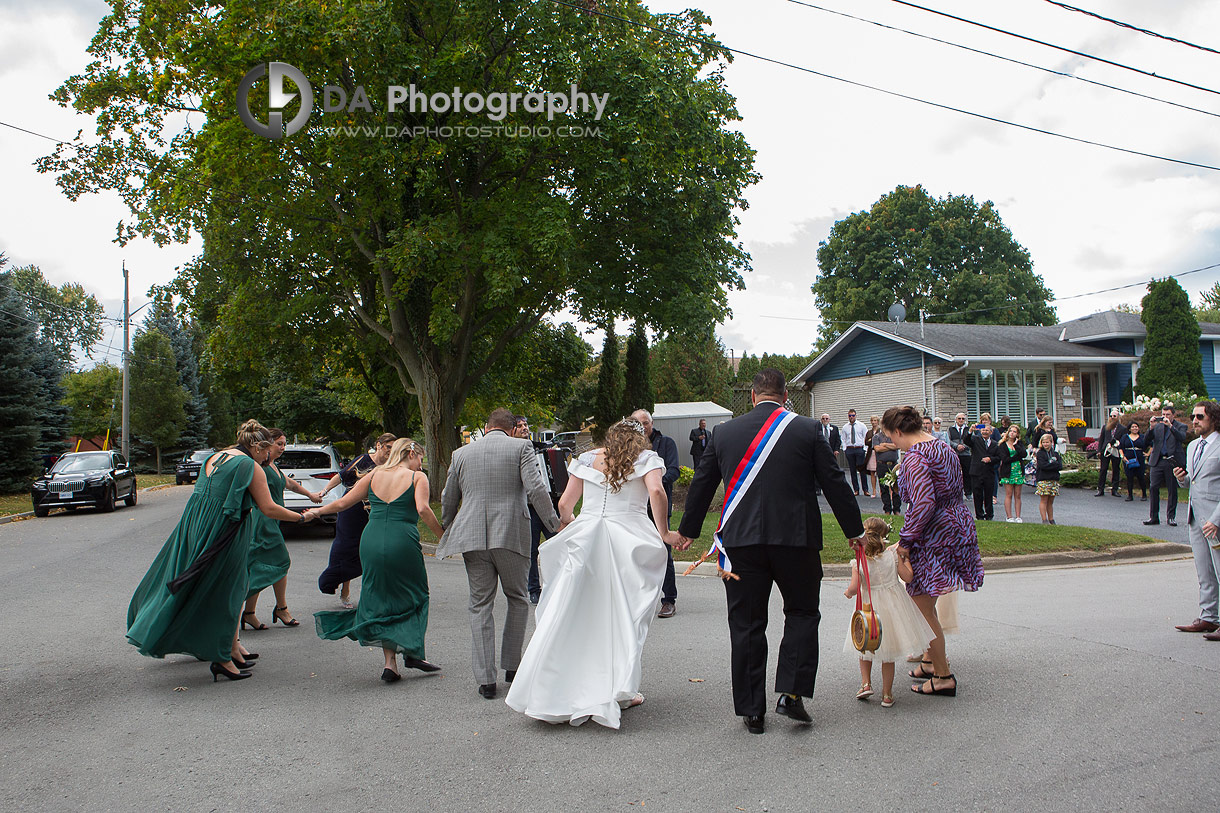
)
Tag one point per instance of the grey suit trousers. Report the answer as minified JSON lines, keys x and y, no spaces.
{"x":483,"y":569}
{"x":1207,"y":566}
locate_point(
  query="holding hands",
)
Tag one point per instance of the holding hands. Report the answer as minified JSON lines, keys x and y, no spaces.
{"x":315,"y":496}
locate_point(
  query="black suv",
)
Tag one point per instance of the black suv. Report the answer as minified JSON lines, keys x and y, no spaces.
{"x":94,"y":479}
{"x":187,"y":470}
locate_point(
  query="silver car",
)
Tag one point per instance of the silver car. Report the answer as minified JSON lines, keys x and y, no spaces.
{"x":312,"y":465}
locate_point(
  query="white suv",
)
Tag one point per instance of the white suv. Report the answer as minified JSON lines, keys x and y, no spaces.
{"x":312,"y":465}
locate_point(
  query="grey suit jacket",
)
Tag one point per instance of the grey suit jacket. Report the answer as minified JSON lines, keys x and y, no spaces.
{"x":484,"y":502}
{"x":1204,"y":482}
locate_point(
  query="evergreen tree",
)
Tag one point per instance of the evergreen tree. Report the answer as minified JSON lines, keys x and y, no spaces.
{"x":158,"y":401}
{"x":691,"y":368}
{"x":606,"y":406}
{"x":21,"y":390}
{"x":637,"y":391}
{"x":182,"y":341}
{"x":51,"y":412}
{"x":1171,"y":361}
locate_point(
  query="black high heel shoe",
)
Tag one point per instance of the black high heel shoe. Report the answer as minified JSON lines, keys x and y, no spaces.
{"x":240,"y":664}
{"x":218,"y":670}
{"x":245,"y":623}
{"x":290,"y":622}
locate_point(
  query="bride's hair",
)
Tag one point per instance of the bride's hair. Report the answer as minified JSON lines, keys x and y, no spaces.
{"x":875,"y":532}
{"x":624,"y":442}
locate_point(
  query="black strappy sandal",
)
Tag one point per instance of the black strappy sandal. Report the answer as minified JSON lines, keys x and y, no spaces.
{"x":287,"y":622}
{"x":245,"y":623}
{"x":946,"y":691}
{"x":923,"y":674}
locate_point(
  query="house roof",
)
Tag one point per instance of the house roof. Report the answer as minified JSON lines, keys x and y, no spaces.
{"x":986,"y":343}
{"x":690,"y":409}
{"x":1116,"y":325}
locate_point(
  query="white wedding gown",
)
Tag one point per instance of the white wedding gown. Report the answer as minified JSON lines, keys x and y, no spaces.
{"x":601,"y":583}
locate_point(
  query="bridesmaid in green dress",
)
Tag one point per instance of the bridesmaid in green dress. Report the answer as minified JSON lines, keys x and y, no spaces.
{"x":393,"y":609}
{"x":190,"y":599}
{"x":269,"y":560}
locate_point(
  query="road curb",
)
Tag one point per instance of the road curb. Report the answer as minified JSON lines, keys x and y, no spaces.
{"x":14,"y":517}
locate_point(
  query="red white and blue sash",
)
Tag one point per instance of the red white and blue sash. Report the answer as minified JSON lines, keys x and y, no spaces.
{"x":747,"y":470}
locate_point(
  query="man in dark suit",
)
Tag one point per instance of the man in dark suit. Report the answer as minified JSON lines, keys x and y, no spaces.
{"x":698,"y":442}
{"x":1167,"y":451}
{"x":830,"y":433}
{"x":1039,"y":414}
{"x":959,"y":441}
{"x":984,"y":456}
{"x":772,"y":536}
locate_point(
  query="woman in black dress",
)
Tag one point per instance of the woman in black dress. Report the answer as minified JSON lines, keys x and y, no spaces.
{"x":1134,"y":446}
{"x":344,"y":562}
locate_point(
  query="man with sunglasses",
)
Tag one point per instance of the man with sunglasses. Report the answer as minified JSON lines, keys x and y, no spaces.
{"x":1167,"y":442}
{"x":1202,"y":474}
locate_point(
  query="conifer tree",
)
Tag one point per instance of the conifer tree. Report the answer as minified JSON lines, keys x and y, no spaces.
{"x":1171,"y":361}
{"x":637,"y":392}
{"x":608,"y":403}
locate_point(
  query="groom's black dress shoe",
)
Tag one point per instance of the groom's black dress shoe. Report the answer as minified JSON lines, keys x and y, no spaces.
{"x":509,"y":674}
{"x":755,"y":724}
{"x":488,"y":690}
{"x":792,"y":707}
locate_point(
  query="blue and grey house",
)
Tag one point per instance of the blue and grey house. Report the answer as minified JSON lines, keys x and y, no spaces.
{"x":1076,"y":369}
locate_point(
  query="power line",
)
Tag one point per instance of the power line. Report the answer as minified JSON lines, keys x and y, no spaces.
{"x":1056,"y":47}
{"x":1052,"y":71}
{"x":1136,"y":28}
{"x":781,"y":63}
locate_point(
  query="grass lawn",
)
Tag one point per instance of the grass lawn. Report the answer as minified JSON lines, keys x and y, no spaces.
{"x":20,"y":502}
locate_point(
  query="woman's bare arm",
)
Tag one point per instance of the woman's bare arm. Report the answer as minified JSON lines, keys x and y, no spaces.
{"x":567,"y":502}
{"x":355,"y":494}
{"x":262,"y":498}
{"x":658,"y":501}
{"x":423,"y":505}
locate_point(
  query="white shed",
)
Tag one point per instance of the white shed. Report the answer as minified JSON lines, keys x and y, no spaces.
{"x":676,"y":420}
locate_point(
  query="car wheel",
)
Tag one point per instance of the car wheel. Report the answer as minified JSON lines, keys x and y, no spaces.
{"x":108,"y":501}
{"x":41,"y":511}
{"x":130,"y":499}
{"x":178,"y":481}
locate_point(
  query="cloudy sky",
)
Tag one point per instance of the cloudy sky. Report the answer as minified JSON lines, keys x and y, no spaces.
{"x":1091,"y":218}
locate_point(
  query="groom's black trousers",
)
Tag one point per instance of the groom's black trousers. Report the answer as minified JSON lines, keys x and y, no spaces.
{"x":797,"y":571}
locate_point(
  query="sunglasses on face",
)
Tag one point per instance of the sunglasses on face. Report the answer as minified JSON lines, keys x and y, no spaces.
{"x":1198,"y":416}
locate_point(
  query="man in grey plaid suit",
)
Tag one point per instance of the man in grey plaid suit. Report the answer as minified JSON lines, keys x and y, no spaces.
{"x":486,"y":519}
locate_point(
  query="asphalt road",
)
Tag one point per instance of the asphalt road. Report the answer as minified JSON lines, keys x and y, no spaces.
{"x":1076,"y":693}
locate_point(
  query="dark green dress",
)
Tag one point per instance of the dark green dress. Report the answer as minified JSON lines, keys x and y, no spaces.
{"x":201,"y":617}
{"x":269,"y":560}
{"x":393,"y":609}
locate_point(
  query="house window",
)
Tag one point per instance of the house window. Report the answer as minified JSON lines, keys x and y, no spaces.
{"x":1015,"y":393}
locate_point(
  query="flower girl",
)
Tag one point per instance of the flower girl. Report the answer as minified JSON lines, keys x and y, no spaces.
{"x":903,"y":628}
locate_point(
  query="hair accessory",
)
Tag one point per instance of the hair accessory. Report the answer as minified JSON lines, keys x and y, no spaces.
{"x":633,"y":425}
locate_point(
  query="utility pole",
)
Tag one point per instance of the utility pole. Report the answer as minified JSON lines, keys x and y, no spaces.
{"x":126,"y":365}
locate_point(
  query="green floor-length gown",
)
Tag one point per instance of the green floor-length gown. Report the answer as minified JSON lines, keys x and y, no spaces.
{"x":269,"y":560}
{"x":393,"y":609}
{"x":201,"y":617}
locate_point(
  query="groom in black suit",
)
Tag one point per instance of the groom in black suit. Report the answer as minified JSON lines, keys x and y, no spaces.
{"x":774,"y":535}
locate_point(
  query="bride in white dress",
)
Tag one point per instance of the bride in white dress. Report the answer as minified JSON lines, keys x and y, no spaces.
{"x":601,"y":579}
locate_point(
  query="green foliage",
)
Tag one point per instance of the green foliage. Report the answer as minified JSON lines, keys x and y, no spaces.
{"x":181,"y":335}
{"x":32,"y":421}
{"x":68,"y":318}
{"x":945,"y":255}
{"x":788,"y":365}
{"x":434,"y":255}
{"x":1171,"y":358}
{"x":1208,"y":309}
{"x":577,"y":410}
{"x":637,"y":391}
{"x":1081,"y":478}
{"x":685,"y":475}
{"x":607,"y":405}
{"x":690,"y":367}
{"x":534,"y":377}
{"x":158,"y":401}
{"x":95,"y":399}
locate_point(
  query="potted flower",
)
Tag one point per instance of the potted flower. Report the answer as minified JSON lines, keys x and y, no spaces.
{"x":1075,"y":429}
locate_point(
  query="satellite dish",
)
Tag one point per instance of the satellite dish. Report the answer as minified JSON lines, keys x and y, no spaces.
{"x":897,"y":312}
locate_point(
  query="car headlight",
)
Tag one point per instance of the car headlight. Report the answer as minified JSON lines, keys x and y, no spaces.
{"x":40,"y":485}
{"x":96,"y":480}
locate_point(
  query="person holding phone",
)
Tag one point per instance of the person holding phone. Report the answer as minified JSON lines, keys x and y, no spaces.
{"x":1202,"y":474}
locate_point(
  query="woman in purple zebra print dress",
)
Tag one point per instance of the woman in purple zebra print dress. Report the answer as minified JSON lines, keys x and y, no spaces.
{"x":937,"y":536}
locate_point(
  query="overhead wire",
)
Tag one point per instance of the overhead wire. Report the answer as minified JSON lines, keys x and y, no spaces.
{"x":728,"y":49}
{"x":1131,"y":27}
{"x":1063,"y":48}
{"x":982,"y":52}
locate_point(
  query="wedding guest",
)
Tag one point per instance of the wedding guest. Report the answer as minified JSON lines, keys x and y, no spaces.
{"x":191,"y":598}
{"x":938,"y":537}
{"x":1108,"y":454}
{"x":393,"y":609}
{"x":903,"y":626}
{"x":1203,"y":514}
{"x":1039,"y":416}
{"x":603,"y":575}
{"x":699,"y":436}
{"x":269,"y":562}
{"x":1166,"y":451}
{"x":668,"y":452}
{"x":887,"y":457}
{"x":1134,"y":448}
{"x":1045,"y":427}
{"x":870,"y":464}
{"x":937,"y":432}
{"x":538,"y":531}
{"x":984,"y":457}
{"x":959,"y":441}
{"x":1012,"y":468}
{"x":1048,"y":463}
{"x":344,"y":562}
{"x":854,"y":446}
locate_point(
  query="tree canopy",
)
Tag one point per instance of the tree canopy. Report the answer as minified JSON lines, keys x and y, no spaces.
{"x":68,"y":318}
{"x":1171,"y":360}
{"x":949,"y":256}
{"x":440,"y":249}
{"x":158,"y":401}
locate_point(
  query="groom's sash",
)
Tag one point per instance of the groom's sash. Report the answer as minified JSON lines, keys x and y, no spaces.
{"x":747,"y":470}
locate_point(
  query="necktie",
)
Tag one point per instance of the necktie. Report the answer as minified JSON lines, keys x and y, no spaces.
{"x":1198,"y":457}
{"x":826,"y":433}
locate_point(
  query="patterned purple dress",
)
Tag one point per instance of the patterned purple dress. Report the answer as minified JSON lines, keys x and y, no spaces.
{"x":938,"y":529}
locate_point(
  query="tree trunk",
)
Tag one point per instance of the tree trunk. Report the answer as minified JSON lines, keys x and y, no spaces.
{"x":158,"y":460}
{"x":439,"y":409}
